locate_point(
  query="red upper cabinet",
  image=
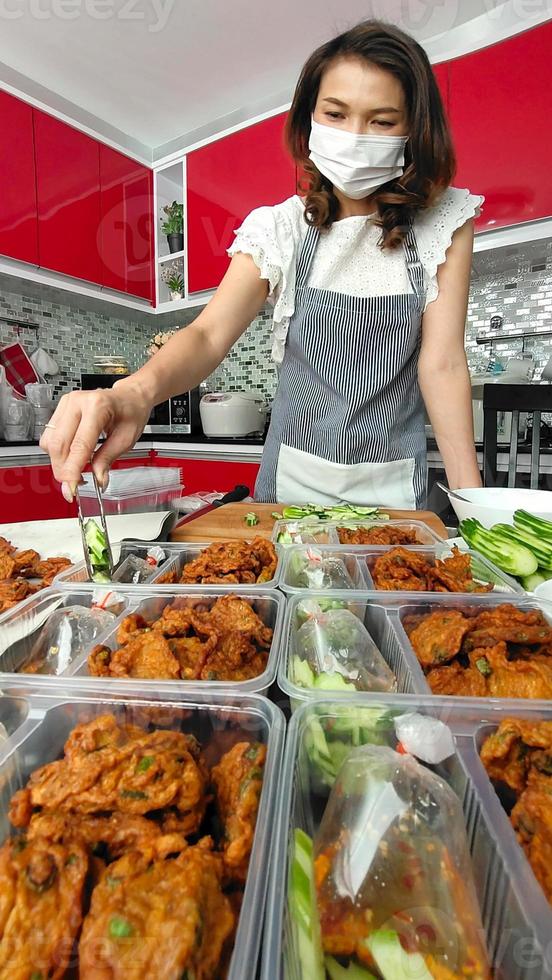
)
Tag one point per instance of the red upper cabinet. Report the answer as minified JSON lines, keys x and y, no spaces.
{"x":18,"y":217}
{"x":226,"y":179}
{"x":68,"y":191}
{"x":500,"y":109}
{"x":126,"y":225}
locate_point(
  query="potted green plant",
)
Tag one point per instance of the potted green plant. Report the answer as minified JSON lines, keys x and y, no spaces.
{"x":174,"y":279}
{"x":173,"y":226}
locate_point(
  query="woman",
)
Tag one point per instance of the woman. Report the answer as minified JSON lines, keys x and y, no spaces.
{"x":368,"y":275}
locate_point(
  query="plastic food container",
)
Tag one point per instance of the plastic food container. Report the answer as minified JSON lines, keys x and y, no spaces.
{"x":375,"y":618}
{"x":41,"y":737}
{"x":327,"y":567}
{"x":20,"y":626}
{"x":139,"y":500}
{"x":178,"y":555}
{"x":516,"y":917}
{"x":269,"y":606}
{"x":307,"y":531}
{"x":483,"y":571}
{"x":76,"y":577}
{"x":416,"y":604}
{"x":184,"y":552}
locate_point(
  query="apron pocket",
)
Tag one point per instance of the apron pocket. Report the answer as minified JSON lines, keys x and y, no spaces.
{"x":302,"y":478}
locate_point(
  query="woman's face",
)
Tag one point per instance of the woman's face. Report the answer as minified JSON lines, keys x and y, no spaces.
{"x":361,"y":98}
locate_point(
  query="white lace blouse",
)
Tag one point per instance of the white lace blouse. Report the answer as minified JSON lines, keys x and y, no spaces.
{"x":347,"y":258}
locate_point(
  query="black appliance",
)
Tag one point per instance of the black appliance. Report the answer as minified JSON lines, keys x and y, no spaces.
{"x":179,"y":414}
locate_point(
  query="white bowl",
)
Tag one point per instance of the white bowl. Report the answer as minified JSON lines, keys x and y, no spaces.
{"x":544,"y":590}
{"x":497,"y":505}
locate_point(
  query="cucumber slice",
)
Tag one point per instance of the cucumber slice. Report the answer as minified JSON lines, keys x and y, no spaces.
{"x":393,"y":962}
{"x":351,"y":972}
{"x":302,"y":905}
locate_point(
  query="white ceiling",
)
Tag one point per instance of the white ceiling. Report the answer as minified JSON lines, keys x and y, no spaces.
{"x":156,"y":70}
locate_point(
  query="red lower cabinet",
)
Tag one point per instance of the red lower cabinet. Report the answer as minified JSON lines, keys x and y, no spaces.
{"x":30,"y":493}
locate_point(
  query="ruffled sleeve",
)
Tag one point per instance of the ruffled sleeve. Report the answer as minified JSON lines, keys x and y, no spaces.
{"x":271,"y":236}
{"x":435,"y":227}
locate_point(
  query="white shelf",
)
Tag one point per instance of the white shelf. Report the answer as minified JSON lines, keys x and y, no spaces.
{"x":171,"y":255}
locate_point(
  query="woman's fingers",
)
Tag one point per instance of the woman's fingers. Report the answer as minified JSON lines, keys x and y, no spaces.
{"x":117,"y":443}
{"x":73,"y":433}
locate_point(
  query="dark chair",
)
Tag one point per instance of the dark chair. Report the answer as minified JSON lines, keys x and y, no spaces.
{"x":515,"y":399}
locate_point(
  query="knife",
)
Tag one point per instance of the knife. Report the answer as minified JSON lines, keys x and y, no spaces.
{"x":240,"y":492}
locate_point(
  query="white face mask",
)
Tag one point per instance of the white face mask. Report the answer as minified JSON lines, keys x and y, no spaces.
{"x":356,"y":163}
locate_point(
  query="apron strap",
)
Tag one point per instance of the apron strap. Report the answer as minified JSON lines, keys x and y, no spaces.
{"x":306,"y":255}
{"x":414,"y":266}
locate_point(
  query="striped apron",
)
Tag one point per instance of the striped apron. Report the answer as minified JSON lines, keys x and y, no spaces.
{"x":348,"y":419}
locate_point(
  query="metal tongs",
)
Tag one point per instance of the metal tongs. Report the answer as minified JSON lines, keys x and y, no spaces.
{"x":100,"y":518}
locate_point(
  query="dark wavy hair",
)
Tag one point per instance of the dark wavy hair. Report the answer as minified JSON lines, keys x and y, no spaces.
{"x":429,"y":155}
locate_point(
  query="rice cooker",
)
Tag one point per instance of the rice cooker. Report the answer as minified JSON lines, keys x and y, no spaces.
{"x":231,"y":414}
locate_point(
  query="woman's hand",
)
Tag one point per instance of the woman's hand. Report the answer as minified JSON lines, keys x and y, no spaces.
{"x":78,"y":422}
{"x":122,"y":411}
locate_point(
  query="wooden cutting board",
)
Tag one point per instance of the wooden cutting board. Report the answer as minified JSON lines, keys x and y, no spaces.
{"x":227,"y":522}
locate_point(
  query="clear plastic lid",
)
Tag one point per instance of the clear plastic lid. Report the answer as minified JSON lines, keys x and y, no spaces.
{"x":394,"y":882}
{"x":334,"y":650}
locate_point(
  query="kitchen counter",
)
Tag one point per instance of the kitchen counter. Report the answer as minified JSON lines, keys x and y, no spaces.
{"x":182,"y":447}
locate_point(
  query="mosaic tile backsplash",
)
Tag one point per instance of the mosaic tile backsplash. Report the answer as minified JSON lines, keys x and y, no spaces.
{"x":70,"y":329}
{"x":521,"y":294}
{"x":515,"y":283}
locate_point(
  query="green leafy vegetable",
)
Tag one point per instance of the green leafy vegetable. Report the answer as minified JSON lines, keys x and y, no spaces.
{"x":120,"y":928}
{"x":145,"y":762}
{"x":251,"y":519}
{"x":483,"y":666}
{"x":134,"y":794}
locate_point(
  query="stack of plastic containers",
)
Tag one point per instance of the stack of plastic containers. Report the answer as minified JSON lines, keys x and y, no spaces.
{"x":137,"y":489}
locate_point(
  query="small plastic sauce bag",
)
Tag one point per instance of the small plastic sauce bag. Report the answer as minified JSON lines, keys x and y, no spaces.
{"x":337,"y":643}
{"x":67,"y":633}
{"x":135,"y":570}
{"x":319,"y":571}
{"x":393,"y":875}
{"x":304,"y":532}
